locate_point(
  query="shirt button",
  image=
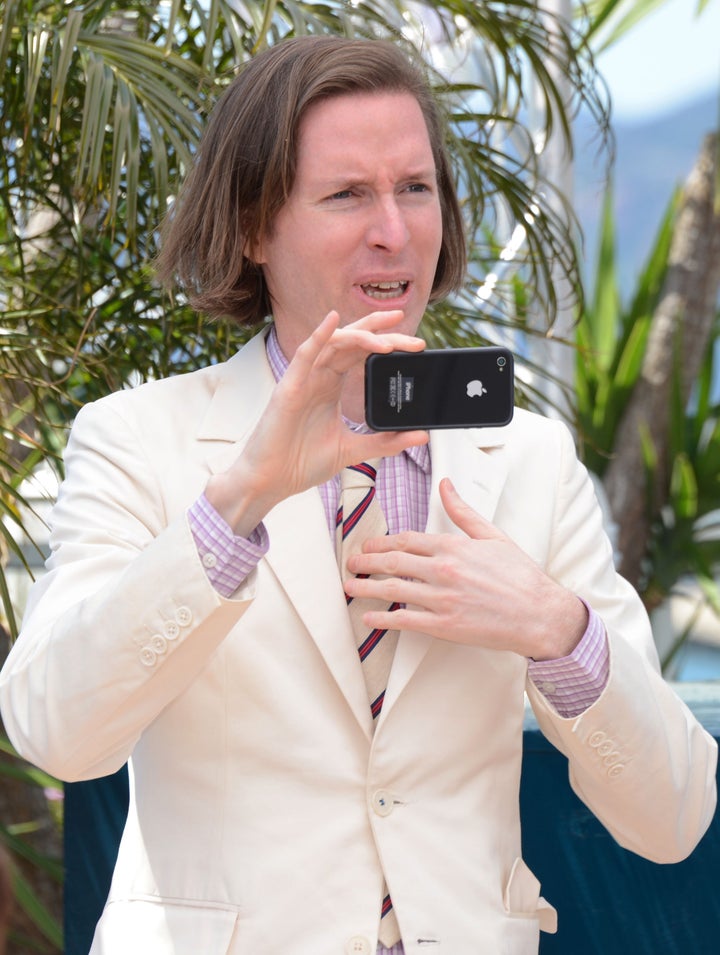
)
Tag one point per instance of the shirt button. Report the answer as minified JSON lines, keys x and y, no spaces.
{"x":382,"y":802}
{"x":184,"y":616}
{"x":209,"y":560}
{"x":548,"y":687}
{"x":158,"y":643}
{"x":172,"y":631}
{"x":148,"y":656}
{"x":357,"y":945}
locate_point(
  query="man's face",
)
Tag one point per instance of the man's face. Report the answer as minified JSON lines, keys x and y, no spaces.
{"x":362,"y":228}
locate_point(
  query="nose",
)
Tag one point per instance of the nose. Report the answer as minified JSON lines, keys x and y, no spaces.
{"x":388,"y":228}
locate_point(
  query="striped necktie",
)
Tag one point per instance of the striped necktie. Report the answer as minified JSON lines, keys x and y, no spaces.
{"x":360,"y":517}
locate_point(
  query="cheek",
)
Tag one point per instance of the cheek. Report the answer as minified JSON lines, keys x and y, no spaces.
{"x":432,"y":231}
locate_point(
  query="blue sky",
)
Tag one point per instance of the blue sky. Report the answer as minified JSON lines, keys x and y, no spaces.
{"x":671,"y":57}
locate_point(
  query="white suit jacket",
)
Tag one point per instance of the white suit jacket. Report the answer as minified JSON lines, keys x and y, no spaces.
{"x":264,"y":810}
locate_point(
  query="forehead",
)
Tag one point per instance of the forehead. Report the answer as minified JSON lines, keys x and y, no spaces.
{"x":357,"y":128}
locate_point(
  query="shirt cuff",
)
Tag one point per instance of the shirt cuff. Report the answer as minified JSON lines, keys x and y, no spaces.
{"x":228,"y":560}
{"x":573,"y":683}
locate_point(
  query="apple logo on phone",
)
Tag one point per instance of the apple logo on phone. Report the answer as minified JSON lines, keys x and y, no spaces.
{"x":475,"y":389}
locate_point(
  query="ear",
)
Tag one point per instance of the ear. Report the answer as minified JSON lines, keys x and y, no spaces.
{"x":256,"y":237}
{"x":255,"y":251}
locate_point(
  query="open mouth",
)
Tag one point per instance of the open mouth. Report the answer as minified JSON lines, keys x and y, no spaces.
{"x":383,"y":291}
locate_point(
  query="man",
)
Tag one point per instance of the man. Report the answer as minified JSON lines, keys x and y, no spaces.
{"x":193,"y":617}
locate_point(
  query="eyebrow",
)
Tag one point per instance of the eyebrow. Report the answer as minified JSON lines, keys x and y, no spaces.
{"x":353,"y":179}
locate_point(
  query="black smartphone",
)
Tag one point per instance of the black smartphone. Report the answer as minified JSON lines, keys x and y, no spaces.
{"x":445,"y":388}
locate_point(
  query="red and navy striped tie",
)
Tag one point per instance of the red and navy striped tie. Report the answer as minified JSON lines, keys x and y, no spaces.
{"x":360,"y":517}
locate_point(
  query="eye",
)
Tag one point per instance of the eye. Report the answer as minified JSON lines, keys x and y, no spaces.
{"x":418,"y":187}
{"x":342,"y":194}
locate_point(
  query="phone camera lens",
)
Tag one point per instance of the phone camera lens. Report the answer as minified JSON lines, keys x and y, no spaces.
{"x":501,"y":362}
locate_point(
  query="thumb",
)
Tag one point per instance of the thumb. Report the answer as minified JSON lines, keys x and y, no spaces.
{"x":464,"y":516}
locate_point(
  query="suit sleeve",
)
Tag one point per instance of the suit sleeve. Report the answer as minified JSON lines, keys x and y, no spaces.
{"x":637,"y":757}
{"x":123,"y":620}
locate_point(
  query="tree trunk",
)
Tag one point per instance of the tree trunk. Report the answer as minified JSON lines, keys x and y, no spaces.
{"x":678,"y":339}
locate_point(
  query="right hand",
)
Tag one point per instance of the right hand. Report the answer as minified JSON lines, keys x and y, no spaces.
{"x":301,"y":440}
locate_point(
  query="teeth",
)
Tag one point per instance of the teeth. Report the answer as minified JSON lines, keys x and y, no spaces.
{"x":384,"y":289}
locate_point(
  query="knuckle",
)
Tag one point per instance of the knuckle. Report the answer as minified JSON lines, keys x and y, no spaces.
{"x":446,"y":569}
{"x":392,"y":564}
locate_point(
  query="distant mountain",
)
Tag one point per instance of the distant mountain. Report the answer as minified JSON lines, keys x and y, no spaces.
{"x":653,"y":157}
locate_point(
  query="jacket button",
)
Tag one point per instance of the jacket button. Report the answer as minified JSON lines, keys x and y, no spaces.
{"x":148,"y":656}
{"x":382,"y":802}
{"x":172,"y":631}
{"x":184,"y":616}
{"x":596,"y":739}
{"x":158,"y":643}
{"x":615,"y":770}
{"x":357,"y":945}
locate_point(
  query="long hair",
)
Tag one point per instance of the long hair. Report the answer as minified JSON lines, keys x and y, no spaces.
{"x":245,"y":168}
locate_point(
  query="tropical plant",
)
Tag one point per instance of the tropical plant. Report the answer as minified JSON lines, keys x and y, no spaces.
{"x":679,"y":336}
{"x":101,"y":106}
{"x":612,"y":337}
{"x":610,"y":20}
{"x":681,"y":498}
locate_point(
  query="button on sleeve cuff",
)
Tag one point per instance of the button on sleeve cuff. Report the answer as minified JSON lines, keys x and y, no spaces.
{"x":228,"y":560}
{"x":573,"y":683}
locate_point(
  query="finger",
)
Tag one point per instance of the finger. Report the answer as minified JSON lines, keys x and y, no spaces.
{"x":416,"y":620}
{"x":383,"y":444}
{"x":408,"y":542}
{"x":377,"y":321}
{"x":464,"y":516}
{"x":308,"y":351}
{"x":389,"y":592}
{"x":359,"y":342}
{"x":391,"y":566}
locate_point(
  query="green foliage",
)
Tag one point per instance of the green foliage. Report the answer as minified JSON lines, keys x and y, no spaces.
{"x":101,"y":106}
{"x":14,"y":838}
{"x":610,"y":20}
{"x":686,"y":532}
{"x":612,"y":339}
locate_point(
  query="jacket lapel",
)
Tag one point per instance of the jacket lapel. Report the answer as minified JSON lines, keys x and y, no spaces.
{"x":478,"y":473}
{"x":302,"y":557}
{"x":301,"y":552}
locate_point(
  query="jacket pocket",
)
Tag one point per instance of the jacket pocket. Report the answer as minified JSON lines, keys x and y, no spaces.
{"x":144,"y":927}
{"x":522,"y":898}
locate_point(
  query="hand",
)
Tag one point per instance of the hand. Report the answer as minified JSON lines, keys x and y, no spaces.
{"x":480,"y":589}
{"x":301,"y":440}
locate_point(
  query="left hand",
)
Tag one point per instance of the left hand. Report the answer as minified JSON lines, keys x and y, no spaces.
{"x":479,"y":589}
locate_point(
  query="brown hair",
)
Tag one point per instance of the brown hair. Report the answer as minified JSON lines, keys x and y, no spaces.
{"x":245,"y":168}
